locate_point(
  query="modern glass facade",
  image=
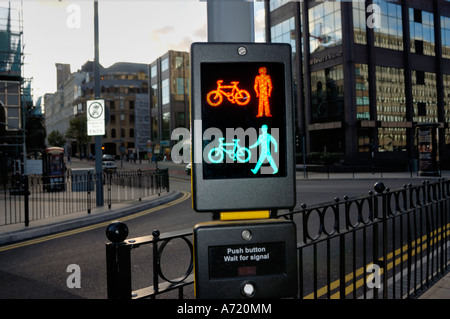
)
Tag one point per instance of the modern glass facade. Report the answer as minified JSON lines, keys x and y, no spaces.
{"x":169,"y":101}
{"x":370,"y":72}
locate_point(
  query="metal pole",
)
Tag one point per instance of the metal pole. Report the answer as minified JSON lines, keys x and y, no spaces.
{"x":230,"y":21}
{"x":98,"y":138}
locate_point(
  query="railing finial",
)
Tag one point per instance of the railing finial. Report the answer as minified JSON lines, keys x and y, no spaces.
{"x":117,"y":232}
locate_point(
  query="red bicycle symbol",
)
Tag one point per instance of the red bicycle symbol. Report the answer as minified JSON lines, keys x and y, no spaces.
{"x":235,"y":96}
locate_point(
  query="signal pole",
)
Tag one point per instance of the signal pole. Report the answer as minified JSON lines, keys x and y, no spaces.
{"x":230,"y":21}
{"x":98,"y":138}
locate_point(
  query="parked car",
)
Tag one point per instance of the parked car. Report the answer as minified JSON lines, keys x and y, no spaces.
{"x":188,"y":169}
{"x":109,"y":163}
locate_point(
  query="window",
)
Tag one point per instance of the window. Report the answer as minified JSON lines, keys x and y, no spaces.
{"x":9,"y":97}
{"x":275,"y":4}
{"x":180,"y":86}
{"x":154,"y":96}
{"x":325,"y":26}
{"x":359,"y":22}
{"x":362,"y":91}
{"x":327,"y":94}
{"x":421,"y":27}
{"x":165,"y":91}
{"x":424,"y":96}
{"x":445,"y":35}
{"x":391,"y":139}
{"x":165,"y":64}
{"x":154,"y":71}
{"x":113,"y":133}
{"x":166,"y":126}
{"x":390,"y":33}
{"x":284,"y":32}
{"x":390,"y":96}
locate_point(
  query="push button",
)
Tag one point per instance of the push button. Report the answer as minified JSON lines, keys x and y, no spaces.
{"x":248,"y":289}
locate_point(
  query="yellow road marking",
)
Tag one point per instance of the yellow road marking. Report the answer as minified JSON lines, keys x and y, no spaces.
{"x":185,"y":196}
{"x":416,"y":247}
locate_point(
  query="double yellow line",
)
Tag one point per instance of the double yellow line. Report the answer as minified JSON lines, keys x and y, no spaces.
{"x":185,"y":195}
{"x":400,"y":255}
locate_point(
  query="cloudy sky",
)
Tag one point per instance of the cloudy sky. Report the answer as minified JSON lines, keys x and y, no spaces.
{"x":132,"y":31}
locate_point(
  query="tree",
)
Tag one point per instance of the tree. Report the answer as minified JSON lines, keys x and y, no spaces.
{"x":78,"y":131}
{"x":55,"y":138}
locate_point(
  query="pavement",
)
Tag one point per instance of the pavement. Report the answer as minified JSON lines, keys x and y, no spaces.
{"x":16,"y":233}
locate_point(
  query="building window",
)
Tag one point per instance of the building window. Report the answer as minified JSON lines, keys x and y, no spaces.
{"x":179,"y":62}
{"x":9,"y":97}
{"x":122,"y":133}
{"x":424,"y":96}
{"x":131,"y":133}
{"x":180,"y":86}
{"x":421,"y":27}
{"x":154,"y":128}
{"x":445,"y":35}
{"x":275,"y":4}
{"x":362,"y":91}
{"x":364,"y":145}
{"x":164,"y":64}
{"x":390,"y":33}
{"x":391,"y":102}
{"x":327,"y":95}
{"x":166,"y":127}
{"x":154,"y":96}
{"x":153,"y":71}
{"x":391,"y":139}
{"x":284,"y":32}
{"x":446,"y":81}
{"x":113,"y":133}
{"x":165,"y":91}
{"x":359,"y":22}
{"x":325,"y":26}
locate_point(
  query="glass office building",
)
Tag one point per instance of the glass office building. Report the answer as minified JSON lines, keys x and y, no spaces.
{"x":366,"y":73}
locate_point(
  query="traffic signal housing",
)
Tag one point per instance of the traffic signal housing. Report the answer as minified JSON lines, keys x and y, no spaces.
{"x":242,"y":127}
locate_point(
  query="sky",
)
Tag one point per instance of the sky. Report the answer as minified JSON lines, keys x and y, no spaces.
{"x":129,"y":31}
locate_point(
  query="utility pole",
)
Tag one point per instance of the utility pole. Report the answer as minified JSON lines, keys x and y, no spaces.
{"x":98,"y":138}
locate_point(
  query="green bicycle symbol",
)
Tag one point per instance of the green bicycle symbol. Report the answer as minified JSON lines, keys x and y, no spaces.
{"x":236,"y":152}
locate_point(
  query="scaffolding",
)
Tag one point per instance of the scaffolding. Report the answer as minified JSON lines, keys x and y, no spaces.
{"x":11,"y":32}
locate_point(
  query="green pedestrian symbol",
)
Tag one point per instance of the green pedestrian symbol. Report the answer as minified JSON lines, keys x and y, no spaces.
{"x":265,"y":140}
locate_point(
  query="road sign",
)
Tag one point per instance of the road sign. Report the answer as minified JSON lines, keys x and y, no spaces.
{"x":242,"y":127}
{"x":95,"y":111}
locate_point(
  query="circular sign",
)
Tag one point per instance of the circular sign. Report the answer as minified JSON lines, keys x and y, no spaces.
{"x":95,"y":110}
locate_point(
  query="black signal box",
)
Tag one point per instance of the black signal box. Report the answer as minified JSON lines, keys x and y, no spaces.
{"x":242,"y":127}
{"x":245,"y":259}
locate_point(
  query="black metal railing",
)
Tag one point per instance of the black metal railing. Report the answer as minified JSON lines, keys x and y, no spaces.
{"x":388,"y":244}
{"x":36,"y":198}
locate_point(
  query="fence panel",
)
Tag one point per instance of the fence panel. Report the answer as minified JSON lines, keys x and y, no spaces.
{"x":34,"y":199}
{"x":389,"y":244}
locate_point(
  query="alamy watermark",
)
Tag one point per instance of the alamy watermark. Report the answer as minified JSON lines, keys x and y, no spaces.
{"x":374,"y":279}
{"x":212,"y":147}
{"x":74,"y":279}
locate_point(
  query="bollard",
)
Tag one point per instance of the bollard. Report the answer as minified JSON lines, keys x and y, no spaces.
{"x":118,"y":262}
